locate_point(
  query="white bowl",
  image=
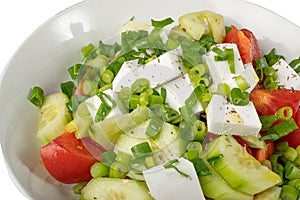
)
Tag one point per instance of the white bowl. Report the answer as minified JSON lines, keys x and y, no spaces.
{"x":44,"y":57}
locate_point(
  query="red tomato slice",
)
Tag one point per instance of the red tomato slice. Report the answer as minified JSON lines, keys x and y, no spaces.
{"x":264,"y":154}
{"x":255,"y":50}
{"x":67,"y":159}
{"x":242,"y":42}
{"x":293,"y":138}
{"x":267,"y":102}
{"x":246,"y":43}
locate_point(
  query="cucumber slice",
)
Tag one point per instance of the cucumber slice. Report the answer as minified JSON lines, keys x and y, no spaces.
{"x":238,"y":168}
{"x":53,"y":117}
{"x":269,"y":194}
{"x":215,"y":187}
{"x":113,"y":188}
{"x":107,"y":132}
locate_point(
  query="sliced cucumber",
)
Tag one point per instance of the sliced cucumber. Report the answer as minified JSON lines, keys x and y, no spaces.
{"x":272,"y":193}
{"x":238,"y":168}
{"x":215,"y":187}
{"x":113,"y":188}
{"x":201,"y":23}
{"x":254,"y":142}
{"x":107,"y":132}
{"x":53,"y":117}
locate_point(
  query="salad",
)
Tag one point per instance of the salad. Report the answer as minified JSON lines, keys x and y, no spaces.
{"x":192,"y":106}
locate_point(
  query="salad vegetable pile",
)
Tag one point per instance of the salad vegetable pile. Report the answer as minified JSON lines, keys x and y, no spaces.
{"x":192,"y":106}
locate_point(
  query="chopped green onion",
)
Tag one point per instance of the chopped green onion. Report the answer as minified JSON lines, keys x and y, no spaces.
{"x":194,"y":146}
{"x":290,"y":154}
{"x":144,"y":99}
{"x":170,"y":165}
{"x":162,"y":23}
{"x":282,"y":146}
{"x":272,"y":57}
{"x":99,"y":169}
{"x":108,"y":157}
{"x":231,"y":64}
{"x":268,"y":121}
{"x":223,"y":89}
{"x":107,"y":76}
{"x":295,"y":183}
{"x":171,"y":115}
{"x":74,"y":71}
{"x":154,"y":127}
{"x":118,"y":170}
{"x":156,"y":100}
{"x":239,"y":97}
{"x":295,"y":64}
{"x":199,"y":130}
{"x":87,"y":49}
{"x":289,"y":193}
{"x":269,"y":71}
{"x":76,"y":189}
{"x":141,"y":150}
{"x":36,"y":96}
{"x":140,"y":85}
{"x":200,"y":167}
{"x":285,"y":127}
{"x":188,"y":114}
{"x":123,"y":157}
{"x":221,"y":55}
{"x":102,"y":112}
{"x":270,"y":83}
{"x":163,"y":93}
{"x":285,"y":112}
{"x":241,"y":82}
{"x":67,"y":88}
{"x":134,"y":101}
{"x":89,"y":87}
{"x":197,"y":71}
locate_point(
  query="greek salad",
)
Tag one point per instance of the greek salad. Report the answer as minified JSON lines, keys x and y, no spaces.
{"x":186,"y":108}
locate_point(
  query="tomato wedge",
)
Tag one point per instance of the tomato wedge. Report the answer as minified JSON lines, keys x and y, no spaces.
{"x":267,"y":102}
{"x":293,"y":138}
{"x":246,"y":42}
{"x":67,"y":160}
{"x":264,"y":154}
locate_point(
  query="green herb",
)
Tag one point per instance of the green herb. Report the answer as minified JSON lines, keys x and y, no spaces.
{"x":170,"y":165}
{"x":67,"y":88}
{"x":87,"y":49}
{"x":162,"y":23}
{"x":272,"y":57}
{"x":74,"y":71}
{"x":295,"y":64}
{"x":239,"y":97}
{"x":36,"y":96}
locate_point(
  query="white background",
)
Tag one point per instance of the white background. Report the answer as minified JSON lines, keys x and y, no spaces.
{"x":19,"y":18}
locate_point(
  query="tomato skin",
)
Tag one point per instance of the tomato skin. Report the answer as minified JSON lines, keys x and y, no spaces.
{"x":246,"y":42}
{"x":242,"y":42}
{"x":293,"y":138}
{"x":255,"y":49}
{"x":267,"y":102}
{"x":67,"y":160}
{"x":264,"y":154}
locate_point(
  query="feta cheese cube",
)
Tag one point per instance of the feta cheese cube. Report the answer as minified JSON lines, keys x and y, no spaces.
{"x":220,"y":72}
{"x":286,"y":75}
{"x":169,"y":184}
{"x":178,"y":90}
{"x":226,"y":118}
{"x":159,"y":71}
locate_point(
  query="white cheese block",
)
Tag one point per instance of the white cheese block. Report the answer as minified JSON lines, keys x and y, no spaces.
{"x":286,"y":75}
{"x":178,"y":91}
{"x":220,"y":72}
{"x":169,"y":184}
{"x":93,"y":103}
{"x":159,"y":71}
{"x":226,"y":118}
